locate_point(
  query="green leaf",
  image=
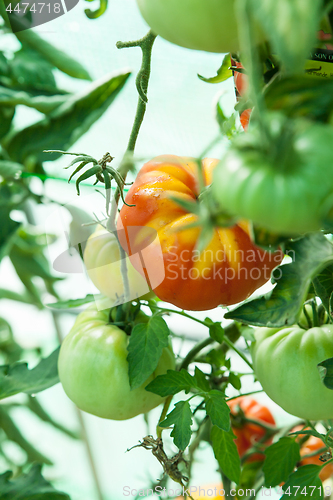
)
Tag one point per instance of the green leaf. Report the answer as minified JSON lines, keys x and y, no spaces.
{"x":17,"y":377}
{"x":72,"y":303}
{"x":10,"y":169}
{"x":223,"y":73}
{"x":249,"y":474}
{"x":301,"y":96}
{"x":323,"y":285}
{"x":13,"y":433}
{"x":181,"y":419}
{"x":282,"y":306}
{"x":31,"y":486}
{"x":226,"y":453}
{"x":227,"y":124}
{"x":276,"y":470}
{"x":290,"y":27}
{"x":201,"y":380}
{"x":145,"y":347}
{"x":6,"y":117}
{"x":171,"y":383}
{"x":304,"y":483}
{"x":34,"y":405}
{"x":216,"y":332}
{"x":235,"y":381}
{"x":57,"y":58}
{"x":44,"y":104}
{"x":326,"y":372}
{"x":8,"y":228}
{"x":67,"y":123}
{"x":218,"y":410}
{"x":29,"y":69}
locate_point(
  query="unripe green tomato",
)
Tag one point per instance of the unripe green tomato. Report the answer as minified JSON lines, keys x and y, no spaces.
{"x":209,"y":25}
{"x":289,"y":192}
{"x":94,"y":372}
{"x":285,"y":363}
{"x":103,"y":264}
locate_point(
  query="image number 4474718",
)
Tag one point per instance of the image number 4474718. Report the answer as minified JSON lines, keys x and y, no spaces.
{"x":24,"y":15}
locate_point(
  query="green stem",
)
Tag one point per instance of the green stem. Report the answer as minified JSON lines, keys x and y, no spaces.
{"x":210,"y":340}
{"x":248,"y":46}
{"x":142,"y":80}
{"x":194,"y":351}
{"x":232,"y":346}
{"x":226,"y":485}
{"x":166,"y":406}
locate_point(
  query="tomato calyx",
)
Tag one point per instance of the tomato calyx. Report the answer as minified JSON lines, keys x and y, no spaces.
{"x":313,"y":315}
{"x":125,"y":316}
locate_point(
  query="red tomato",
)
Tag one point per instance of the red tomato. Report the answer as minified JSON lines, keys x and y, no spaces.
{"x":227,"y":271}
{"x":249,"y":433}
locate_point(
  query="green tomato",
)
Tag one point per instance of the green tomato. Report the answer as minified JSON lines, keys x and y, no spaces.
{"x":103,"y":264}
{"x":287,"y":187}
{"x":93,"y":369}
{"x":209,"y":25}
{"x":285,"y":363}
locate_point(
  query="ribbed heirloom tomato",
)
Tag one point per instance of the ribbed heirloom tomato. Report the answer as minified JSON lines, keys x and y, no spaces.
{"x":250,"y":433}
{"x":93,"y":368}
{"x":285,"y":363}
{"x":229,"y":269}
{"x":209,"y":25}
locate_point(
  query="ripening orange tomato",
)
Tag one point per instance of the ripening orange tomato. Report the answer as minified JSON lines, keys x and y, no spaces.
{"x":227,"y":271}
{"x":250,"y":433}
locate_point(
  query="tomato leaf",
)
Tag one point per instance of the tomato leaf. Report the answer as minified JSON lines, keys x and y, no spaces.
{"x":249,"y":474}
{"x":181,"y":418}
{"x":235,"y":381}
{"x":72,"y":303}
{"x":17,"y":377}
{"x":57,"y":58}
{"x":171,"y":383}
{"x":282,"y":306}
{"x":301,"y":95}
{"x":276,"y":470}
{"x":13,"y":434}
{"x":10,"y":169}
{"x":67,"y":123}
{"x":201,"y":380}
{"x":326,"y":372}
{"x":304,"y":483}
{"x":145,"y":347}
{"x":225,"y":451}
{"x":216,"y":331}
{"x":6,"y":117}
{"x":7,"y":233}
{"x":31,"y":486}
{"x":218,"y":410}
{"x":223,"y":73}
{"x":278,"y":21}
{"x":323,"y":285}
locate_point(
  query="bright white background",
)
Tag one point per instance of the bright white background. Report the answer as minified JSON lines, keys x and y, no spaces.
{"x":179,"y":120}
